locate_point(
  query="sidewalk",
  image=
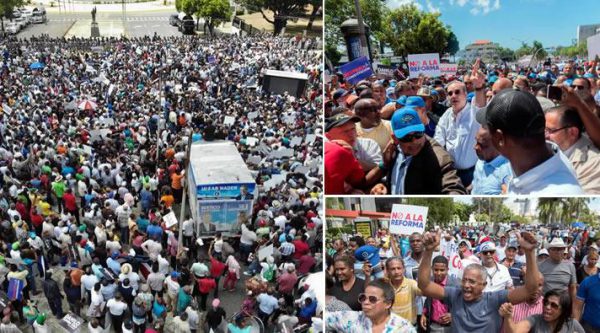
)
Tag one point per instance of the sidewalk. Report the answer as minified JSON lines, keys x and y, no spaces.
{"x":116,"y":7}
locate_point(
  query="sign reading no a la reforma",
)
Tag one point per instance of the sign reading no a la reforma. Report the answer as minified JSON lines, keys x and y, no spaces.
{"x":427,"y":64}
{"x":407,"y":219}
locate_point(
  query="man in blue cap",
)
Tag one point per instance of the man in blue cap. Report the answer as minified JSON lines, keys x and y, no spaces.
{"x":418,"y":165}
{"x":418,"y":104}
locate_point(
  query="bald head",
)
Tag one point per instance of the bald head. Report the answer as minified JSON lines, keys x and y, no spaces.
{"x":501,"y":84}
{"x":364,"y":105}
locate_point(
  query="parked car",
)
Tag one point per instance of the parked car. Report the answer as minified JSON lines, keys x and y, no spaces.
{"x":174,"y":20}
{"x":187,"y":25}
{"x":11,"y":27}
{"x":21,"y":22}
{"x":26,"y":13}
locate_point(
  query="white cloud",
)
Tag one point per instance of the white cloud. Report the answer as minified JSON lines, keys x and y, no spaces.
{"x":431,"y":8}
{"x":478,"y":6}
{"x":393,"y":4}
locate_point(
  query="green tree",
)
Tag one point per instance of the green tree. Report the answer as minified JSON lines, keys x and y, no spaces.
{"x":214,"y":13}
{"x":538,"y":50}
{"x":440,"y":210}
{"x":6,"y":9}
{"x":338,"y":11}
{"x":575,"y":50}
{"x":463,"y":211}
{"x":452,"y":43}
{"x":524,"y":50}
{"x":407,"y":30}
{"x":282,"y":11}
{"x":179,"y":5}
{"x":562,"y":210}
{"x":506,"y":54}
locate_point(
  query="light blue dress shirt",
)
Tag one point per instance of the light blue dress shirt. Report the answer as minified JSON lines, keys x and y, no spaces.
{"x":456,"y":133}
{"x":399,"y":172}
{"x":489,"y":176}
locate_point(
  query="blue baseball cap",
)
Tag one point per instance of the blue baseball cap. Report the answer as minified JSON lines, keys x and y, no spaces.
{"x":389,"y":91}
{"x":405,"y":121}
{"x":415,"y":101}
{"x":401,"y":100}
{"x":492,"y":79}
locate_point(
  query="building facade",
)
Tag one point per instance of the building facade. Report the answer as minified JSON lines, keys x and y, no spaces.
{"x":484,"y":49}
{"x":585,"y":31}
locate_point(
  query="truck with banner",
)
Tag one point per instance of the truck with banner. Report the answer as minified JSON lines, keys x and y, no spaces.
{"x":221,"y":188}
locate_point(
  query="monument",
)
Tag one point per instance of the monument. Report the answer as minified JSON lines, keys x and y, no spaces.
{"x":95,"y":29}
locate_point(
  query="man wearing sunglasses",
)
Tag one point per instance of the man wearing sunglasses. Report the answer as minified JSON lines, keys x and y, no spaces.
{"x":418,"y":164}
{"x":457,"y":128}
{"x":473,"y":310}
{"x":376,"y":315}
{"x":498,"y":277}
{"x":565,"y":128}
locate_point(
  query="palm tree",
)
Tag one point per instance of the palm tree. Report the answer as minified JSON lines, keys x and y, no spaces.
{"x":561,"y":210}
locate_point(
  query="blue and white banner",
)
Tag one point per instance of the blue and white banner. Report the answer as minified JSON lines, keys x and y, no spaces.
{"x":225,"y":191}
{"x":223,"y":214}
{"x":357,"y":70}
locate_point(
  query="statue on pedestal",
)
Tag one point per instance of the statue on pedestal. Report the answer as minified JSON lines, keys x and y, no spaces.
{"x":94,"y":14}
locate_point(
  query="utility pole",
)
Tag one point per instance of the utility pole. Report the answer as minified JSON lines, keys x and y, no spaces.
{"x":186,"y":163}
{"x":361,"y":30}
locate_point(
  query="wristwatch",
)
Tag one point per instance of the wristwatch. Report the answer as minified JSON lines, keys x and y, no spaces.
{"x":381,"y":166}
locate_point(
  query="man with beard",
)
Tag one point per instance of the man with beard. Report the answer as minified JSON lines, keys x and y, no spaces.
{"x":492,"y":170}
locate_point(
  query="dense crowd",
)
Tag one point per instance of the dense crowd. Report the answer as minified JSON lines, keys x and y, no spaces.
{"x":493,"y":129}
{"x":93,"y":156}
{"x":465,"y":279}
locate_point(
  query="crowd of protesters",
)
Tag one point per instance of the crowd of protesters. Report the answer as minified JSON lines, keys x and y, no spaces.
{"x":465,"y":279}
{"x":493,"y":129}
{"x":92,"y":156}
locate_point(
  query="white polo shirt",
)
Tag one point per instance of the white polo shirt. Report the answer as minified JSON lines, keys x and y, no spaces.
{"x":498,"y":278}
{"x":554,"y":176}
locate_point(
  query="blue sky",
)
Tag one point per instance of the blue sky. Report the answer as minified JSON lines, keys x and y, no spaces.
{"x":508,"y":22}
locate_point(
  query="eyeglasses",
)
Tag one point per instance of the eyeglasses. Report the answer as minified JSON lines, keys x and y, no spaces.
{"x":487,"y":253}
{"x":410,"y":137}
{"x":454,"y":92}
{"x":553,"y":305}
{"x":554,"y":130}
{"x":372,"y":299}
{"x":578,"y":87}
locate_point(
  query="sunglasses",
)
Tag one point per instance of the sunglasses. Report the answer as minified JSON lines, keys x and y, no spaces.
{"x":554,"y":130}
{"x":411,"y":137}
{"x":454,"y":92}
{"x":487,"y":253}
{"x":553,"y":305}
{"x":578,"y":87}
{"x":372,"y":299}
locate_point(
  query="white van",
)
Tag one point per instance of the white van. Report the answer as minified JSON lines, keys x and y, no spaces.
{"x":38,"y":15}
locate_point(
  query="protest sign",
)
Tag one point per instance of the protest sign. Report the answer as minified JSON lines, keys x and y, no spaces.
{"x":251,"y":141}
{"x":593,"y":46}
{"x":386,"y":71}
{"x":6,"y":109}
{"x":310,"y":138}
{"x":229,"y":120}
{"x":265,"y":252}
{"x":448,"y":69}
{"x":252,"y":115}
{"x":357,"y":70}
{"x":97,"y":135}
{"x":255,"y":160}
{"x":407,"y":219}
{"x":363,"y":228}
{"x":87,"y":149}
{"x":71,"y":322}
{"x":457,"y":265}
{"x":170,"y":219}
{"x":427,"y":64}
{"x":296,"y":141}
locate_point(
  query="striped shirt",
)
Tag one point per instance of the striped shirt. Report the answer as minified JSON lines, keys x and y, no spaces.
{"x":287,"y":249}
{"x":523,"y":310}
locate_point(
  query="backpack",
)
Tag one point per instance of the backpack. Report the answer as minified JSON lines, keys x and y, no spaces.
{"x":269,"y":273}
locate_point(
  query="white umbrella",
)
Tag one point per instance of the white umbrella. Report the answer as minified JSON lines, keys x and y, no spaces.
{"x":87,"y":105}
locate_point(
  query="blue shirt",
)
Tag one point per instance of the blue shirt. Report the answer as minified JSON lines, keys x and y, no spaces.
{"x":399,"y":172}
{"x":154,"y":231}
{"x":113,"y":265}
{"x":142,"y":224}
{"x":589,"y":293}
{"x":489,"y":177}
{"x":456,"y":133}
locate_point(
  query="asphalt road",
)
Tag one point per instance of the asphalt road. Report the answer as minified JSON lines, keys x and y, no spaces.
{"x":137,"y":24}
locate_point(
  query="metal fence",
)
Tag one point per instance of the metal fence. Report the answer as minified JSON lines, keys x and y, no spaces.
{"x":245,"y":27}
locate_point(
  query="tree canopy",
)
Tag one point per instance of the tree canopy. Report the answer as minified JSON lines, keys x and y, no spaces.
{"x":283,"y":10}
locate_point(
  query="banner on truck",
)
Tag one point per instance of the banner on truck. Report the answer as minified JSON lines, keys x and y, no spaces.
{"x":407,"y":219}
{"x":222,"y":215}
{"x":357,"y":70}
{"x":225,"y":191}
{"x":427,"y":64}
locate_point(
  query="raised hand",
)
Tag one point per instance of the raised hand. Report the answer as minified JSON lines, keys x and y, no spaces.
{"x":477,"y":77}
{"x":527,"y":241}
{"x":431,"y":240}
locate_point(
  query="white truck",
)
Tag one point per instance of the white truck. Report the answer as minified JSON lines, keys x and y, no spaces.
{"x":221,"y":188}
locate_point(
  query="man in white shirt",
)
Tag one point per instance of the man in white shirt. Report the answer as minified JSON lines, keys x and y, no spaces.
{"x":498,"y":277}
{"x":457,"y":128}
{"x":152,"y":247}
{"x":116,"y":308}
{"x":517,"y":124}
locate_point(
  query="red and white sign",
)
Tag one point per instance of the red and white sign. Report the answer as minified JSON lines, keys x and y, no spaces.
{"x":458,"y":265}
{"x":448,"y":69}
{"x":408,"y":219}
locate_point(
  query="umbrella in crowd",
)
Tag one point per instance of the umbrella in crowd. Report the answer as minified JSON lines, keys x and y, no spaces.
{"x":87,"y":105}
{"x":36,"y":65}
